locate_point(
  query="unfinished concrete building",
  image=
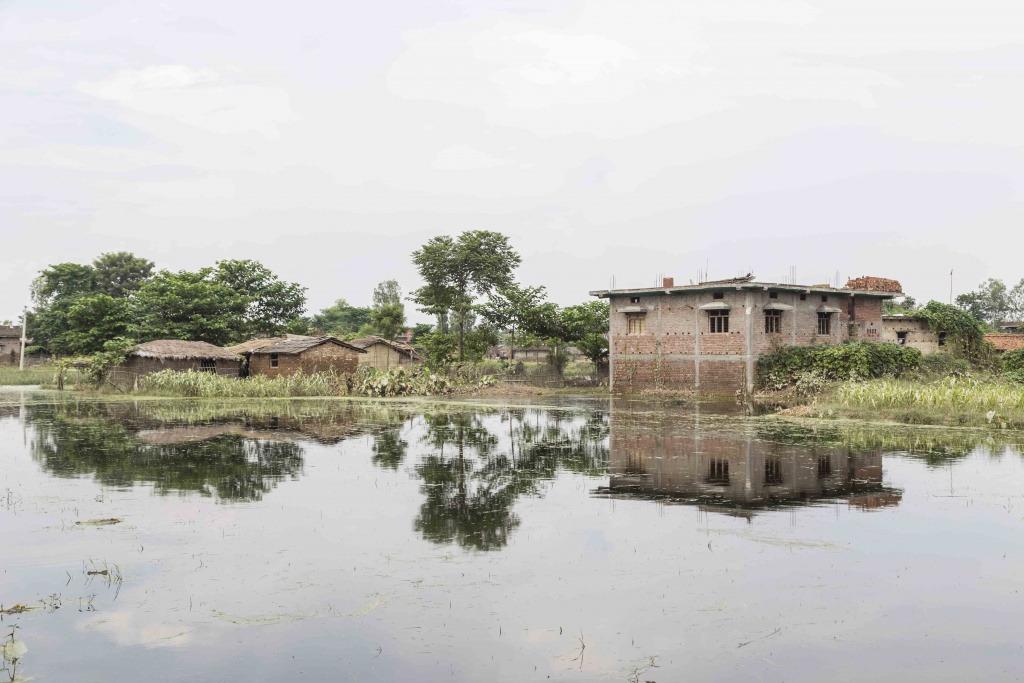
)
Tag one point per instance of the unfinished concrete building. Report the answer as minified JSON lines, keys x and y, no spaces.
{"x":708,"y":336}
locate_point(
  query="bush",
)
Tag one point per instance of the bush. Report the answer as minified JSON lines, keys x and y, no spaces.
{"x":855,"y":360}
{"x":400,"y":382}
{"x":945,"y":365}
{"x":1013,"y":360}
{"x":212,"y":385}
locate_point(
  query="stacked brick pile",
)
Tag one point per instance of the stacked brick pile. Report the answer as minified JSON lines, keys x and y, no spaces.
{"x":875,"y":284}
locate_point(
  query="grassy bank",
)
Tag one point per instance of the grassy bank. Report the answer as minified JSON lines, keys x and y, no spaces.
{"x":955,"y":401}
{"x":34,"y":374}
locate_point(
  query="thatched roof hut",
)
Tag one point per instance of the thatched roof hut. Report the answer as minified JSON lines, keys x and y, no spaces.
{"x":177,"y":349}
{"x":308,"y":354}
{"x":247,"y":347}
{"x":174,"y":354}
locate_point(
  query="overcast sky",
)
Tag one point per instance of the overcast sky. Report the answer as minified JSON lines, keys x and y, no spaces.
{"x":330,"y":139}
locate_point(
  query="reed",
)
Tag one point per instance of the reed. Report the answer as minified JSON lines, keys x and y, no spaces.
{"x":210,"y":385}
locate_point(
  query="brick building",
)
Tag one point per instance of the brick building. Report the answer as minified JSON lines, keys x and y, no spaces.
{"x":908,"y":330}
{"x":383,"y":354}
{"x":709,"y":336}
{"x":308,"y":354}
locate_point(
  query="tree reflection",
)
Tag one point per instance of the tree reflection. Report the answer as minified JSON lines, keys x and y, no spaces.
{"x":389,"y":449}
{"x":211,"y":460}
{"x":472,"y":478}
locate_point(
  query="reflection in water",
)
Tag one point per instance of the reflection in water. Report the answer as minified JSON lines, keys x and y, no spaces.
{"x":736,"y":471}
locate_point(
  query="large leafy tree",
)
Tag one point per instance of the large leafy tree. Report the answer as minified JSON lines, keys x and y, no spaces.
{"x":388,"y":315}
{"x":195,"y":306}
{"x":993,"y":302}
{"x":458,"y":270}
{"x":515,"y":309}
{"x":121,"y":273}
{"x":271,"y":305}
{"x":586,"y":327}
{"x":63,"y":281}
{"x":341,"y":319}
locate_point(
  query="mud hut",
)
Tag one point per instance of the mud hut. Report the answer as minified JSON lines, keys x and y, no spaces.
{"x":383,"y":354}
{"x":174,"y":354}
{"x":309,"y":354}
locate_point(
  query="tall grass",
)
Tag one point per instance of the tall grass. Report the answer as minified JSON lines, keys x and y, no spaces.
{"x":33,"y":374}
{"x":211,"y":385}
{"x":960,"y":399}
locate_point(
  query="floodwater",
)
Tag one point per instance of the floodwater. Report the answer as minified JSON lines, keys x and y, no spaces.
{"x":416,"y":541}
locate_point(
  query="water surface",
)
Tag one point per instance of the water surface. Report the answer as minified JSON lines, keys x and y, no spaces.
{"x":335,"y":540}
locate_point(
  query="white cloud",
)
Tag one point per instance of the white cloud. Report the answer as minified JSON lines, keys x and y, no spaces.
{"x":464,"y":158}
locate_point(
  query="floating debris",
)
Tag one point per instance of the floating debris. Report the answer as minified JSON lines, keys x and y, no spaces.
{"x":100,"y":522}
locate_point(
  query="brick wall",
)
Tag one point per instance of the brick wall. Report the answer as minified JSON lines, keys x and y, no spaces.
{"x":322,"y":358}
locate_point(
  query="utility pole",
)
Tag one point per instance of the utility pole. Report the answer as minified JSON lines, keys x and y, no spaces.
{"x":950,"y":287}
{"x":24,"y":322}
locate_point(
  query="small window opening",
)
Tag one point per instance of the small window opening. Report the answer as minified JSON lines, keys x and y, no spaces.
{"x":824,"y":298}
{"x":772,"y":471}
{"x":901,"y":338}
{"x":824,"y":467}
{"x":825,"y":323}
{"x":718,"y":471}
{"x":635,"y":464}
{"x":273,"y":360}
{"x":208,"y":365}
{"x":773,"y":295}
{"x":719,"y":321}
{"x":773,"y":322}
{"x":942,"y":338}
{"x":636,"y":323}
{"x":634,"y":299}
{"x":718,"y":295}
{"x":803,"y":297}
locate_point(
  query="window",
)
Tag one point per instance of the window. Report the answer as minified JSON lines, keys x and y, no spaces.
{"x":636,"y":323}
{"x":901,"y":338}
{"x":803,"y":297}
{"x":718,"y":295}
{"x":273,"y":360}
{"x":773,"y":322}
{"x":773,"y":295}
{"x":208,"y":365}
{"x":824,"y":467}
{"x":772,"y":471}
{"x":851,"y":310}
{"x":718,"y":471}
{"x":634,"y":299}
{"x":824,"y":298}
{"x":719,"y":321}
{"x":825,"y":323}
{"x":635,"y":464}
{"x":942,"y":338}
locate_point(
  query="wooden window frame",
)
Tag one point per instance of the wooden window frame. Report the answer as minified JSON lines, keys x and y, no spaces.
{"x":718,"y":322}
{"x":824,"y":324}
{"x":773,"y":322}
{"x":718,"y":471}
{"x":275,"y":360}
{"x":208,"y":365}
{"x":636,"y":324}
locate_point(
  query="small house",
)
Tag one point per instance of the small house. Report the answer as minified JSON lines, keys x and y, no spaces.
{"x":912,"y":331}
{"x":1004,"y":342}
{"x":174,"y":354}
{"x":383,"y":354}
{"x":10,"y":345}
{"x":287,"y":356}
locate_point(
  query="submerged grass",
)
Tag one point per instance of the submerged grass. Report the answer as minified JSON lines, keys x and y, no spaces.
{"x":952,"y":400}
{"x":210,"y":385}
{"x":35,"y":374}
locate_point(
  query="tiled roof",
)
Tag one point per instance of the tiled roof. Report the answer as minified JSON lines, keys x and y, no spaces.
{"x":1006,"y":342}
{"x":295,"y":345}
{"x":182,"y":350}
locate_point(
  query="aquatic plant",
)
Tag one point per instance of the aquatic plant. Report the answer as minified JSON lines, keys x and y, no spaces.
{"x":400,"y":382}
{"x":212,"y":385}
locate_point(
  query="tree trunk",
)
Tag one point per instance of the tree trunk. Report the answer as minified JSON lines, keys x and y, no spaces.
{"x":462,"y":326}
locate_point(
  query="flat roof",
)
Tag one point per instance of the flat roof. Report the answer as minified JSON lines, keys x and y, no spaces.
{"x":720,"y":285}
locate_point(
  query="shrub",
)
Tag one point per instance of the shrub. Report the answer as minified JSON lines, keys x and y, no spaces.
{"x":855,"y":360}
{"x":945,"y":365}
{"x":1013,"y":360}
{"x":400,"y":382}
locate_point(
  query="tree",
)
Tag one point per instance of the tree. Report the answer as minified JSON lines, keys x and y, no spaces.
{"x":388,"y":316}
{"x":906,"y":306}
{"x":186,"y":305}
{"x":341,"y":319}
{"x":513,"y":308}
{"x":271,"y":304}
{"x":121,"y":273}
{"x":990,"y":302}
{"x":63,"y":281}
{"x":93,"y":321}
{"x":586,"y":327}
{"x":458,"y":270}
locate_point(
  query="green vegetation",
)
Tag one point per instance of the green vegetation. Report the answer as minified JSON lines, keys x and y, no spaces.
{"x":33,"y":374}
{"x":78,"y":308}
{"x":993,"y":302}
{"x":793,"y":365}
{"x":211,"y":385}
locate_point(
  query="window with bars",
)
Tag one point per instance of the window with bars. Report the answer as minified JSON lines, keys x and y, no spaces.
{"x":773,"y":322}
{"x":719,"y":321}
{"x":636,"y":323}
{"x":208,"y":365}
{"x":824,"y":467}
{"x":718,"y":471}
{"x":824,"y":323}
{"x":772,"y":471}
{"x":901,"y":338}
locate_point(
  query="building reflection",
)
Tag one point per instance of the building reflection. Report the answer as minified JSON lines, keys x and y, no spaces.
{"x":732,"y":471}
